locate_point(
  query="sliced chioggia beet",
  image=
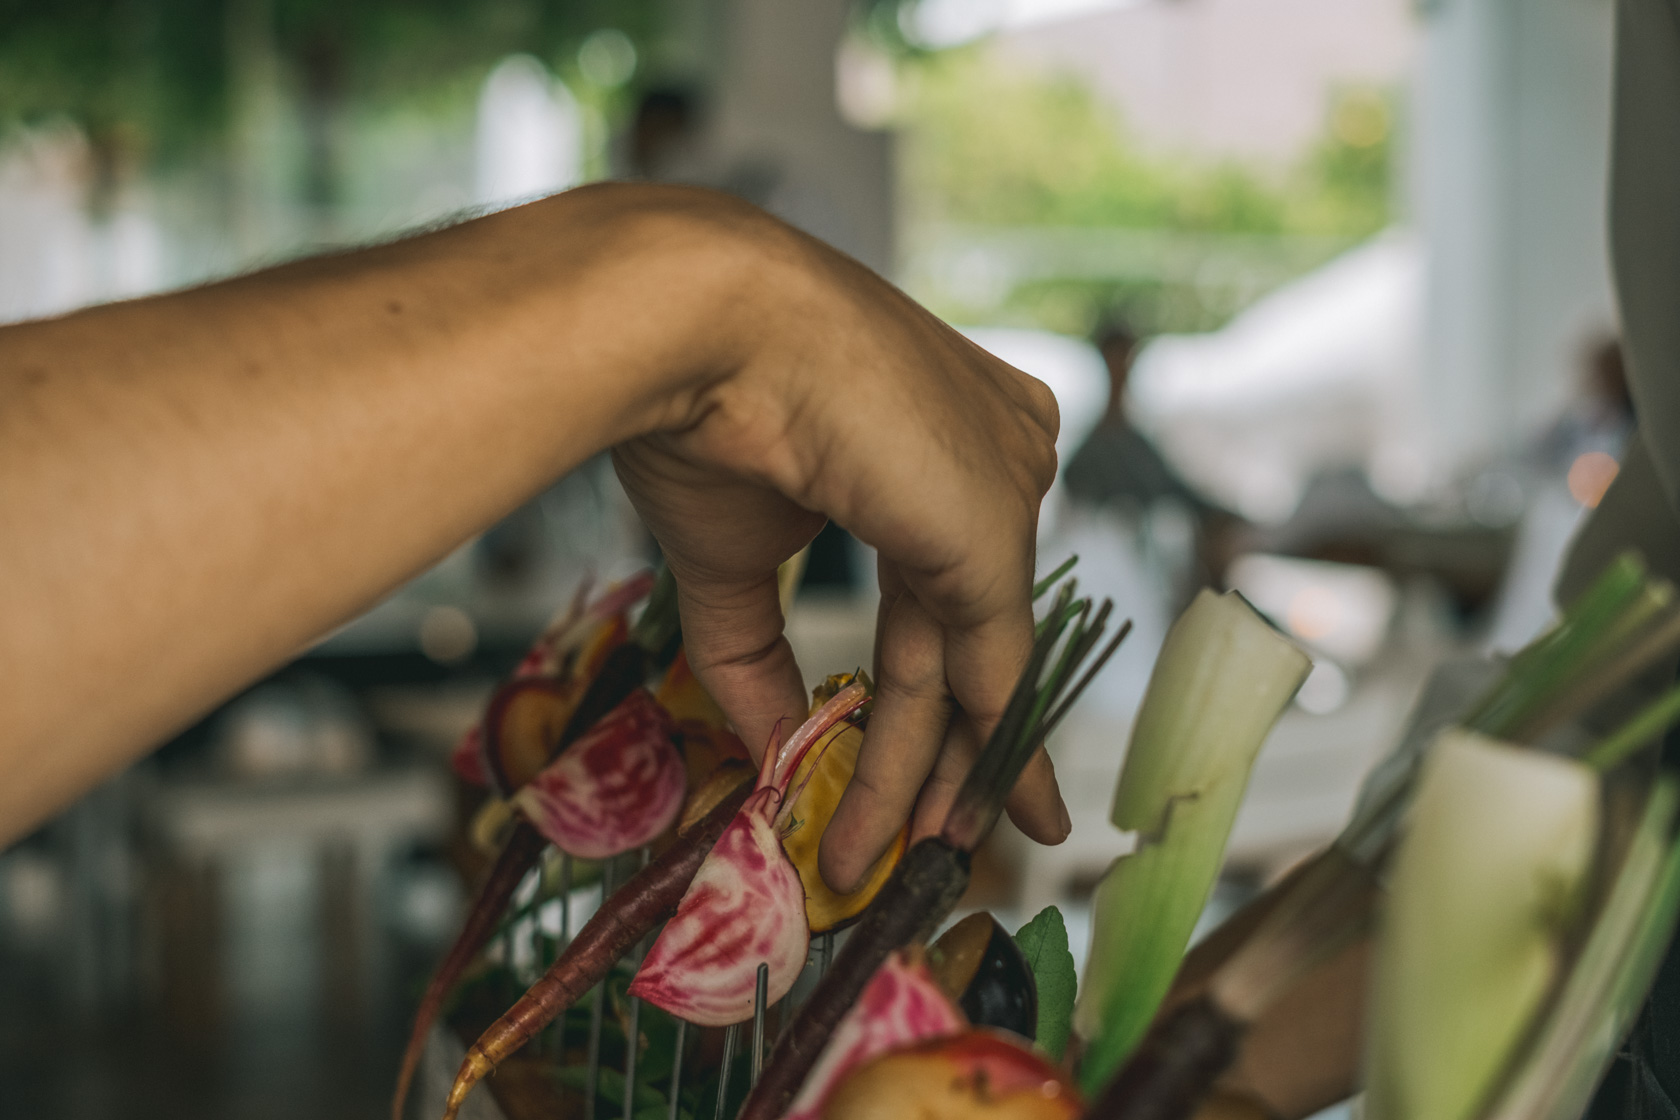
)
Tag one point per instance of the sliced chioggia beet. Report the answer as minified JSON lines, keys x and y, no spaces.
{"x":571,"y":648}
{"x":744,"y":908}
{"x":1486,"y":887}
{"x":618,"y":787}
{"x":746,"y":905}
{"x":1222,"y":679}
{"x":902,"y":1004}
{"x":979,"y":1073}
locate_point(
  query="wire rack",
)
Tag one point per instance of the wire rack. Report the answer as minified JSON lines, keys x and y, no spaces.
{"x":546,"y":898}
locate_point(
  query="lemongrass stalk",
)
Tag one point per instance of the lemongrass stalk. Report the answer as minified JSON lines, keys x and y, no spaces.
{"x":1646,"y":726}
{"x":1223,"y":678}
{"x":1555,"y":1077}
{"x":1486,"y":884}
{"x":1660,"y":639}
{"x":1556,"y":658}
{"x":1049,"y":581}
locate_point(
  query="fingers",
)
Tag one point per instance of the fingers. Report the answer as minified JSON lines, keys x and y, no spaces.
{"x":956,"y":758}
{"x":906,"y":731}
{"x":1036,"y":805}
{"x":733,"y":635}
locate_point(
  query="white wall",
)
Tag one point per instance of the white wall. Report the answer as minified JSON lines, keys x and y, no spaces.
{"x":1242,"y":78}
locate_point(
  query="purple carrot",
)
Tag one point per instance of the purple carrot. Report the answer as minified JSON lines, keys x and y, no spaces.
{"x":650,"y":897}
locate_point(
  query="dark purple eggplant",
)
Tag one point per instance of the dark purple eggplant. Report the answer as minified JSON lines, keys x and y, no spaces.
{"x":981,"y":967}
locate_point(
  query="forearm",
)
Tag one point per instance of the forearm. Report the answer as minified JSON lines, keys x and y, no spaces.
{"x":194,"y":487}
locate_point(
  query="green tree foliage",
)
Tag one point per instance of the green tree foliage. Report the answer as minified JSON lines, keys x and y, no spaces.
{"x":987,"y":147}
{"x":159,"y":73}
{"x":990,"y":147}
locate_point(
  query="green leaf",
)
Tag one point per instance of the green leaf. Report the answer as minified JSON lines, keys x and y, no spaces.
{"x":609,"y":1087}
{"x":1044,"y":942}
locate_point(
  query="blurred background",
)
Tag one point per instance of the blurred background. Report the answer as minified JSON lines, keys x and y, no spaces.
{"x":1320,"y":284}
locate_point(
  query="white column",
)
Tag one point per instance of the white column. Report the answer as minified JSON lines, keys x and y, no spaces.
{"x":776,"y":107}
{"x":1512,"y":121}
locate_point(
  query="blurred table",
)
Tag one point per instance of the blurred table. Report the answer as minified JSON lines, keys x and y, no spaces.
{"x":351,"y":827}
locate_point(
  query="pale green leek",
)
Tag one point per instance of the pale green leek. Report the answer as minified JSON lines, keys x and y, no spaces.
{"x":1555,"y":1077}
{"x":1223,"y":678}
{"x":1485,"y":889}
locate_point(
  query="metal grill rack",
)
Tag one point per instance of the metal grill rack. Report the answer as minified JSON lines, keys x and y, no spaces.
{"x":527,"y":947}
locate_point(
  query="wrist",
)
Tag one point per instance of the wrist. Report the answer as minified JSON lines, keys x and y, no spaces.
{"x":679,"y":292}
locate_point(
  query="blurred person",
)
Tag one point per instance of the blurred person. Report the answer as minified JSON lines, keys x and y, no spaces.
{"x":664,"y":135}
{"x":1599,"y":415}
{"x":1566,"y":471}
{"x":197,"y":485}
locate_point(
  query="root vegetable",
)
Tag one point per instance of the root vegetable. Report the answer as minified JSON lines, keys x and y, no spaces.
{"x":746,"y":906}
{"x":618,"y":787}
{"x":650,"y":897}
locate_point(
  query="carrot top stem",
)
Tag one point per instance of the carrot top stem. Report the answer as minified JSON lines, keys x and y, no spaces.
{"x":1047,"y":688}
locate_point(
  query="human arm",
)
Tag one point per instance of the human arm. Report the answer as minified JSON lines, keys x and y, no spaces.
{"x":194,"y":487}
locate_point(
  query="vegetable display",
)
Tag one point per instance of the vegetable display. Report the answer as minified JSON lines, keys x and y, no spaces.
{"x":646,"y":900}
{"x":583,"y":666}
{"x":1515,"y":859}
{"x":928,"y":881}
{"x":1622,"y":626}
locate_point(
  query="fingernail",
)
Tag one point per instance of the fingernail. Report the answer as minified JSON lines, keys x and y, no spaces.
{"x":1067,"y":821}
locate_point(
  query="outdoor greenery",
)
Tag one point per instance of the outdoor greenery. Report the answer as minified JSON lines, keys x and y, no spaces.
{"x":161,"y":76}
{"x":163,"y":86}
{"x":987,"y":147}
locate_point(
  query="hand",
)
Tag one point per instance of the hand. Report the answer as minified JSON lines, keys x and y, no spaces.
{"x":843,"y":399}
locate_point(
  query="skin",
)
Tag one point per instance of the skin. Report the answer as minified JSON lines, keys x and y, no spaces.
{"x":196,"y":486}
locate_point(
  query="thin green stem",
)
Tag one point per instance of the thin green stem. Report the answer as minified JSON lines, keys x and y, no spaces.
{"x":1044,"y":682}
{"x":1050,"y":580}
{"x":1651,"y":722}
{"x":1539,"y":671}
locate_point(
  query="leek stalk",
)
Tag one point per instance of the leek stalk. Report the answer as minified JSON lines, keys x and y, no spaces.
{"x":1486,"y":885}
{"x":1223,"y":678}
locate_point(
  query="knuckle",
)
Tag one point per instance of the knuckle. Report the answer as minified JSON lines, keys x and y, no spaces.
{"x":1046,"y":410}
